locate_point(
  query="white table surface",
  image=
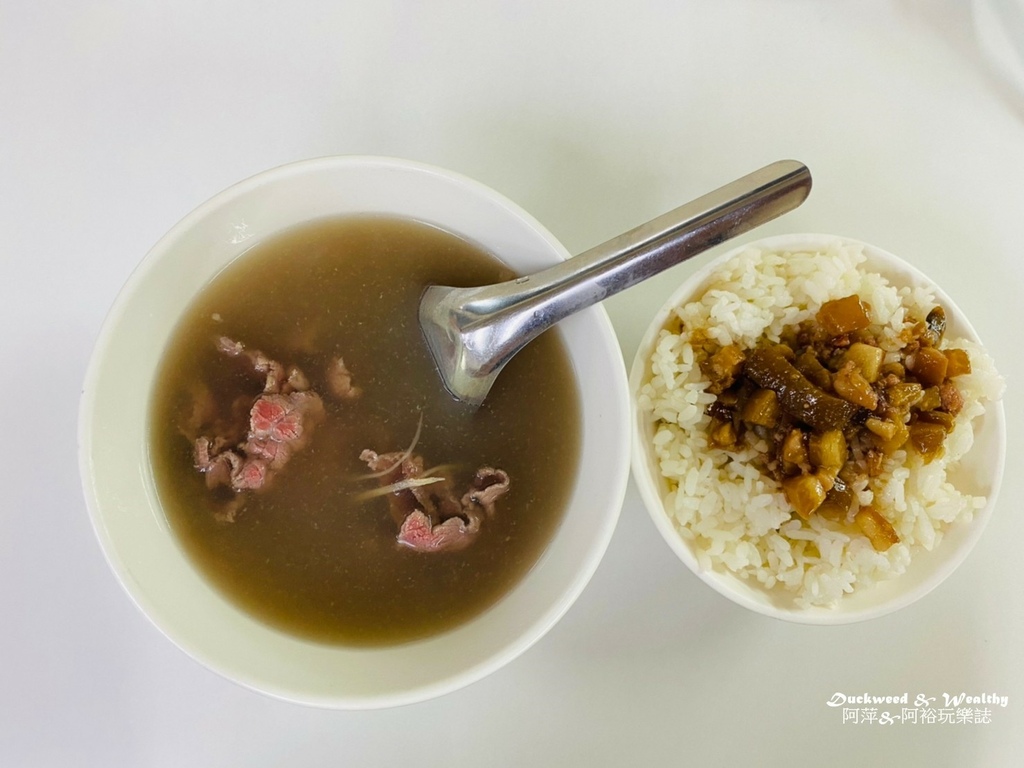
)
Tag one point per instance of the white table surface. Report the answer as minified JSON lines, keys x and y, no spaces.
{"x":117,"y":118}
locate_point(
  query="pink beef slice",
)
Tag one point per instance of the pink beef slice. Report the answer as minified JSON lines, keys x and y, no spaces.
{"x":430,"y":517}
{"x":276,"y":378}
{"x":489,"y":484}
{"x":285,"y":418}
{"x":418,"y":533}
{"x":393,"y":468}
{"x":251,"y":475}
{"x":275,"y":454}
{"x":211,"y":458}
{"x":280,"y":423}
{"x":229,"y":467}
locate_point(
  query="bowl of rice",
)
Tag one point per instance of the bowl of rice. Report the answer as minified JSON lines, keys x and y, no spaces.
{"x":729,"y":449}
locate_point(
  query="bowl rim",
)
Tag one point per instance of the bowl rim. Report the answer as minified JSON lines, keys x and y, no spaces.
{"x":724,"y":582}
{"x":510,"y":649}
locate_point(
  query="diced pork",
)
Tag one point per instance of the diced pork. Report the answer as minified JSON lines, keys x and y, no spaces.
{"x":951,"y":399}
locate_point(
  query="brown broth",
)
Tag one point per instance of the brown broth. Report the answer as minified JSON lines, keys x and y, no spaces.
{"x":303,"y":556}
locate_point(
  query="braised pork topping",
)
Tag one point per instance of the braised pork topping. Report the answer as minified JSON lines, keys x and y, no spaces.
{"x":832,"y":405}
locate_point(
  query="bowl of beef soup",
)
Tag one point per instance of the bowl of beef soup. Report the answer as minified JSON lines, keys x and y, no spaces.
{"x":279,"y":479}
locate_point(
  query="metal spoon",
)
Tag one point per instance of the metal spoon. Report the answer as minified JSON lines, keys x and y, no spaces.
{"x":473,"y":332}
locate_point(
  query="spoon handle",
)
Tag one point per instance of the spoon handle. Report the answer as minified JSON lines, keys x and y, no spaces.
{"x":496,"y":321}
{"x":676,"y":236}
{"x":557,"y":292}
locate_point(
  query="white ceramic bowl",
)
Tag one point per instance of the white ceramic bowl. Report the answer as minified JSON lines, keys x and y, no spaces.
{"x":122,"y":500}
{"x":979,"y":473}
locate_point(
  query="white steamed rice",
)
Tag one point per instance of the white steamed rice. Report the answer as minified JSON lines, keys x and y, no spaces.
{"x":736,"y":517}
